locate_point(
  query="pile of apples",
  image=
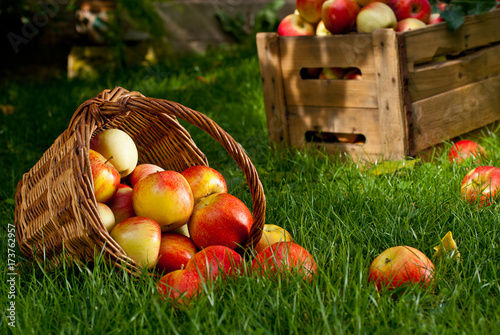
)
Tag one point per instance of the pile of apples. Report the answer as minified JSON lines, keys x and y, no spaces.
{"x":183,"y":225}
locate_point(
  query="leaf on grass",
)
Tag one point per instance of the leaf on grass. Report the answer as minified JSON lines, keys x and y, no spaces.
{"x":446,"y":247}
{"x":392,"y":166}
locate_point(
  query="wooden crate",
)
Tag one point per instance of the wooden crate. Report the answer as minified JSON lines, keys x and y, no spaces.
{"x":405,"y":102}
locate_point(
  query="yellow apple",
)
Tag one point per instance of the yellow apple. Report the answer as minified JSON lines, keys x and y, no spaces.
{"x":107,"y":216}
{"x":271,"y":234}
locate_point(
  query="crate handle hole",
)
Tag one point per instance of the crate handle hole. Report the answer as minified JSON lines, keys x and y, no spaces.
{"x":331,"y":73}
{"x":328,"y":137}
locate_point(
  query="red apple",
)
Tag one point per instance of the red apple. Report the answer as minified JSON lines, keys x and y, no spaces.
{"x":140,"y":238}
{"x":107,"y":216}
{"x":309,"y":10}
{"x":204,"y":181}
{"x":180,"y":286}
{"x":352,"y":74}
{"x":480,"y":185}
{"x":164,"y":197}
{"x":271,"y":234}
{"x":363,"y":3}
{"x":339,"y":16}
{"x":175,"y":251}
{"x":375,"y":15}
{"x":400,"y":265}
{"x":121,"y":203}
{"x":331,"y":73}
{"x":418,"y":9}
{"x":295,"y":25}
{"x":216,"y":260}
{"x":464,"y":150}
{"x":142,"y":170}
{"x":285,"y":257}
{"x":409,"y":23}
{"x":435,"y":18}
{"x":105,"y":177}
{"x":220,"y":219}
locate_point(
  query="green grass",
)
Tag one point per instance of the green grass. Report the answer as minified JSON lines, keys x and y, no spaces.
{"x":340,"y":212}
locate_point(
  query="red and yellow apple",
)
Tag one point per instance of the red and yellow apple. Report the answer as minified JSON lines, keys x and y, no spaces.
{"x":165,"y":197}
{"x":481,"y":184}
{"x":435,"y":18}
{"x":180,"y":286}
{"x":418,"y":9}
{"x":118,"y":147}
{"x":295,"y":25}
{"x":271,"y":234}
{"x":105,"y":177}
{"x":400,"y":265}
{"x":375,"y":15}
{"x":309,"y":10}
{"x":321,"y":29}
{"x":353,"y":74}
{"x":140,"y":238}
{"x":363,"y":3}
{"x":466,"y":150}
{"x":106,"y":215}
{"x":204,"y":181}
{"x":331,"y":73}
{"x":339,"y":16}
{"x":409,"y":23}
{"x":216,"y":261}
{"x":175,"y":251}
{"x":142,"y":170}
{"x":121,"y":203}
{"x":220,"y":219}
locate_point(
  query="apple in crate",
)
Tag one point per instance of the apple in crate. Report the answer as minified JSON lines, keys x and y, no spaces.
{"x":339,"y":16}
{"x":480,"y":185}
{"x":142,"y":170}
{"x":204,"y":181}
{"x":309,"y":10}
{"x":105,"y":177}
{"x":216,"y":261}
{"x":331,"y":73}
{"x":353,"y":74}
{"x":271,"y":234}
{"x":180,"y":286}
{"x":363,"y":3}
{"x":375,"y":15}
{"x":400,"y":265}
{"x":107,"y":216}
{"x":435,"y":18}
{"x":121,"y":203}
{"x":295,"y":25}
{"x":285,"y":257}
{"x":175,"y":251}
{"x":417,"y":9}
{"x":220,"y":219}
{"x":117,"y":146}
{"x":321,"y":29}
{"x":140,"y":238}
{"x":409,"y":23}
{"x":464,"y":150}
{"x":165,"y":197}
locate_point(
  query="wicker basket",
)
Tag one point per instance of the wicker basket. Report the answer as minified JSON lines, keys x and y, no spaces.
{"x":55,"y":206}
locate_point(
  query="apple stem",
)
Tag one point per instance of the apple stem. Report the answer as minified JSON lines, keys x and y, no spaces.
{"x":107,"y":160}
{"x":387,"y":260}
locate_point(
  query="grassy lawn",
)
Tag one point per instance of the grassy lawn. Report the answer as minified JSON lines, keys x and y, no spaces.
{"x":343,"y":214}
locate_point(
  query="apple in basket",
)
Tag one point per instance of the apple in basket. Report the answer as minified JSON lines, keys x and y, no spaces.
{"x":165,"y":197}
{"x":118,"y":147}
{"x":271,"y":234}
{"x":142,"y":170}
{"x":216,"y":261}
{"x":339,"y":16}
{"x":464,"y":150}
{"x":180,"y":286}
{"x":121,"y":203}
{"x":107,"y":216}
{"x":140,"y":238}
{"x":105,"y":177}
{"x":400,"y":265}
{"x":175,"y":251}
{"x":309,"y":10}
{"x":375,"y":15}
{"x":283,"y":258}
{"x":481,"y":184}
{"x":220,"y":219}
{"x":204,"y":181}
{"x":295,"y":25}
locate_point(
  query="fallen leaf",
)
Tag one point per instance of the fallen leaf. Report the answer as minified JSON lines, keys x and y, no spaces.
{"x":446,"y":247}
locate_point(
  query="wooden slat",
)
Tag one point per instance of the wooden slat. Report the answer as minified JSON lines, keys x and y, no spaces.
{"x":272,"y":86}
{"x":429,"y":80}
{"x":392,"y":117}
{"x":425,"y":43}
{"x":456,"y":112}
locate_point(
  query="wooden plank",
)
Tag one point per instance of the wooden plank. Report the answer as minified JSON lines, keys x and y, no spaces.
{"x":425,"y":43}
{"x":432,"y":79}
{"x":456,"y":112}
{"x":272,"y":85}
{"x":392,"y":116}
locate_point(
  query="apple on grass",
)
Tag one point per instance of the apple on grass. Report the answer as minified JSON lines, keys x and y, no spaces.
{"x":480,"y":185}
{"x":271,"y":234}
{"x":216,"y":261}
{"x":165,"y":197}
{"x":309,"y":10}
{"x":220,"y":219}
{"x":118,"y":147}
{"x":465,"y":150}
{"x":282,"y":258}
{"x":140,"y":238}
{"x":375,"y":15}
{"x":400,"y":265}
{"x":121,"y":203}
{"x":180,"y":286}
{"x":417,"y":9}
{"x":339,"y":16}
{"x":107,"y":216}
{"x":106,"y":178}
{"x":409,"y":23}
{"x":295,"y":25}
{"x":175,"y":251}
{"x":204,"y":181}
{"x":142,"y":170}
